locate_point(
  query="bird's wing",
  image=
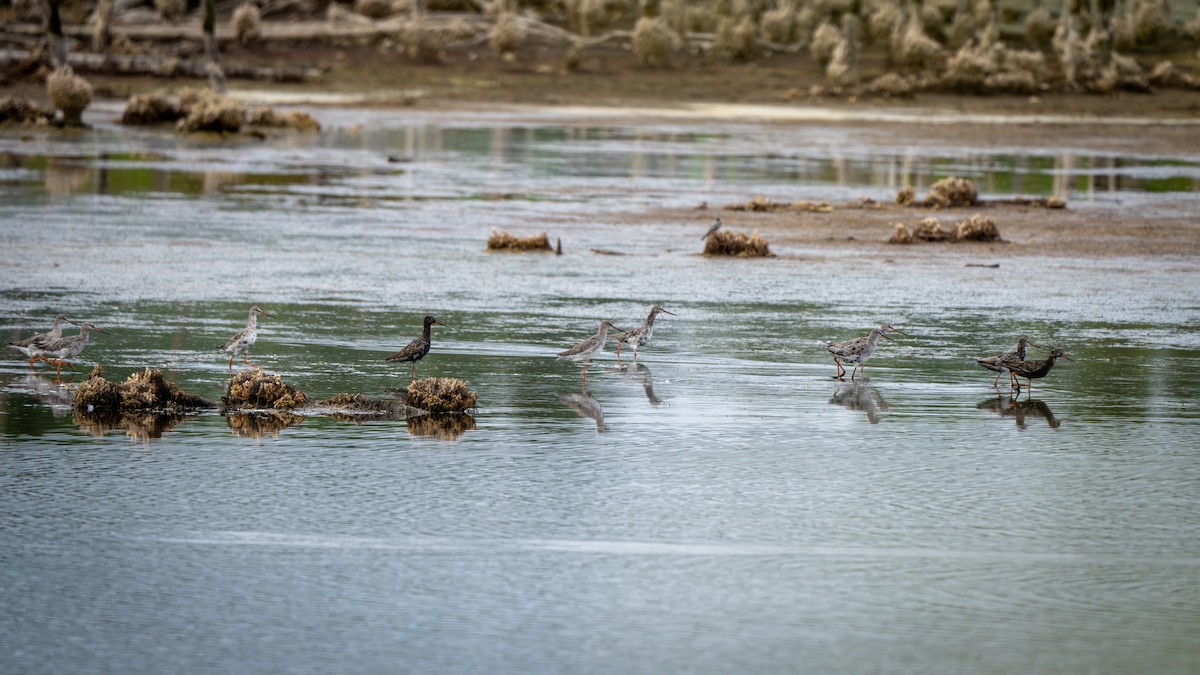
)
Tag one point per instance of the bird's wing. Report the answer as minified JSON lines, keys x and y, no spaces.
{"x":583,"y":346}
{"x":407,"y":352}
{"x":237,"y":337}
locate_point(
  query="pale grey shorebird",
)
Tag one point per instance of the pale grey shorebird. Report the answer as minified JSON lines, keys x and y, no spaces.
{"x":244,"y":339}
{"x":1031,"y":370}
{"x":31,"y":346}
{"x":640,"y":336}
{"x":60,"y":351}
{"x":712,"y":230}
{"x":1001,"y":362}
{"x":858,"y":350}
{"x":418,"y":348}
{"x":589,"y":347}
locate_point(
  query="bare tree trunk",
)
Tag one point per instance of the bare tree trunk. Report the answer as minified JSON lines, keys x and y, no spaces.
{"x":216,"y":76}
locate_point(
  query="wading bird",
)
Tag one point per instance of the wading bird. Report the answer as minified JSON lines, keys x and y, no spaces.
{"x":640,"y":336}
{"x":858,"y":350}
{"x":418,"y":348}
{"x":244,"y":339}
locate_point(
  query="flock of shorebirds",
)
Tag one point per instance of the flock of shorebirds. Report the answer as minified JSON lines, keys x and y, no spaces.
{"x":58,"y":351}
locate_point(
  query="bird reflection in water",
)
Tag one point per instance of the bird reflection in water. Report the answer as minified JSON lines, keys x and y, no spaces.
{"x":586,"y":406}
{"x":261,"y":424}
{"x":1007,"y":406}
{"x":443,"y":427}
{"x":640,"y":374}
{"x":860,"y":396}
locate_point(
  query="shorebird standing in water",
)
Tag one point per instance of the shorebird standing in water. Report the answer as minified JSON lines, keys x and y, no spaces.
{"x":858,"y":350}
{"x":585,"y":349}
{"x":58,"y":352}
{"x":244,"y":339}
{"x":1001,"y":363}
{"x":712,"y":230}
{"x":418,"y":348}
{"x":31,"y":346}
{"x":1031,"y":370}
{"x":640,"y":336}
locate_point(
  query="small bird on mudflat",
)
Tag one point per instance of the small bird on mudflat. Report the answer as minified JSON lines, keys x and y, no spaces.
{"x":418,"y":348}
{"x":640,"y":336}
{"x":588,"y":347}
{"x":244,"y":339}
{"x":1001,"y":362}
{"x":31,"y":346}
{"x":858,"y":350}
{"x":712,"y":230}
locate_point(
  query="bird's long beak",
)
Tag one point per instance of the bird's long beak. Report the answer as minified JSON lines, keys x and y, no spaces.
{"x":439,"y":323}
{"x":671,"y":313}
{"x":265,"y":314}
{"x":884,"y":336}
{"x":1067,"y":357}
{"x":99,"y":331}
{"x":897,"y":330}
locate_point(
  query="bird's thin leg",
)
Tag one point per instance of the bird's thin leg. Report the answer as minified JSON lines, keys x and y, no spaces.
{"x":585,"y":376}
{"x":69,"y":365}
{"x":231,"y":362}
{"x":619,"y":352}
{"x":841,"y":370}
{"x":996,"y":382}
{"x":635,"y":354}
{"x":413,"y":375}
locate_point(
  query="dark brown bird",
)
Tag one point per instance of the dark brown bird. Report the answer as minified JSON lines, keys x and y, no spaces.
{"x":1031,"y":370}
{"x":417,"y":349}
{"x":1001,"y":362}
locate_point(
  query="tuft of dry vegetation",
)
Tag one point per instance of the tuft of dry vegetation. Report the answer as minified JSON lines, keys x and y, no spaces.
{"x":975,"y":228}
{"x":256,"y":389}
{"x":264,"y":116}
{"x":761,"y":204}
{"x":501,"y":240}
{"x":654,"y":42}
{"x":247,"y":23}
{"x":507,"y":35}
{"x":948,"y":192}
{"x":146,"y":390}
{"x":24,"y":112}
{"x":440,"y":395}
{"x":150,"y":109}
{"x":736,"y":244}
{"x":70,"y":93}
{"x":205,"y":110}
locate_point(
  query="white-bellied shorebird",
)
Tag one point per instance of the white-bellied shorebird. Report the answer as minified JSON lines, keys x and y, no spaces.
{"x":858,"y":350}
{"x":585,"y":349}
{"x":244,"y":339}
{"x":59,"y":352}
{"x":640,"y":336}
{"x":31,"y":346}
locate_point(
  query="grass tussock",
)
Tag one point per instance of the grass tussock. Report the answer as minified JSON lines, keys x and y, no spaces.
{"x":654,"y":42}
{"x":501,"y":240}
{"x":761,"y":204}
{"x":442,"y":427}
{"x":256,"y":389}
{"x":19,"y":111}
{"x":264,"y":116}
{"x":736,"y":244}
{"x":975,"y":228}
{"x":150,"y":109}
{"x":247,"y":23}
{"x":205,"y":110}
{"x":440,"y":395}
{"x":70,"y":93}
{"x":948,"y":192}
{"x":146,"y":390}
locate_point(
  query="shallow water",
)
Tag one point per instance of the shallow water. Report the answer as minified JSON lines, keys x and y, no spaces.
{"x":722,"y":506}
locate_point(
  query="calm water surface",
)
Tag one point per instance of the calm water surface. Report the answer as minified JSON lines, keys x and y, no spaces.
{"x":721,"y":506}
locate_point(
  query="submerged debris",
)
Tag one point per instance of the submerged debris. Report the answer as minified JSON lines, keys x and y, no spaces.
{"x":23,"y":111}
{"x":976,"y":228}
{"x":444,"y":427}
{"x":738,"y":244}
{"x":501,"y":240}
{"x":763,"y":205}
{"x":440,"y":395}
{"x":146,"y":390}
{"x":256,"y":389}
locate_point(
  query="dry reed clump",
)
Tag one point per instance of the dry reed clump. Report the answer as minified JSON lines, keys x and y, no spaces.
{"x":883,"y":19}
{"x":779,"y":24}
{"x":906,"y":196}
{"x":737,"y":38}
{"x":507,"y":35}
{"x":501,"y":240}
{"x":737,"y":244}
{"x":24,"y":112}
{"x":150,"y":109}
{"x":70,"y":93}
{"x":901,"y":234}
{"x":264,"y":116}
{"x":440,"y":395}
{"x":654,"y":41}
{"x":256,"y":389}
{"x":977,"y":228}
{"x":247,"y":23}
{"x":761,"y":204}
{"x":171,"y":10}
{"x":261,"y":424}
{"x":1165,"y":74}
{"x":375,"y":9}
{"x":141,"y":391}
{"x":442,"y":427}
{"x":1151,"y":21}
{"x":205,"y":110}
{"x":917,"y":50}
{"x":952,"y":191}
{"x":1039,"y":27}
{"x":891,"y":84}
{"x":930,"y":230}
{"x":824,"y":41}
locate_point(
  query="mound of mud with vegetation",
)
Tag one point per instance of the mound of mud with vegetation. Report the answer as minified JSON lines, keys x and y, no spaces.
{"x":142,"y":391}
{"x":503,"y":241}
{"x":737,"y":244}
{"x":256,"y":389}
{"x":440,"y":395}
{"x":975,"y":228}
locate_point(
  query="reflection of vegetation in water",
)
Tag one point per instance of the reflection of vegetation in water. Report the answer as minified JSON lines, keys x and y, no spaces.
{"x":444,"y":427}
{"x":141,"y":425}
{"x":262,"y":424}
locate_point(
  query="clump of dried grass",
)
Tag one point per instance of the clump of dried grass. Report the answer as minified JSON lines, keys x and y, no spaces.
{"x":737,"y":38}
{"x":824,"y":41}
{"x":205,"y":110}
{"x":779,"y":24}
{"x":23,"y":111}
{"x":654,"y":41}
{"x":265,"y":116}
{"x":501,"y":240}
{"x":247,"y":23}
{"x":762,"y":204}
{"x":977,"y":228}
{"x":737,"y":244}
{"x":948,"y":192}
{"x":150,"y":109}
{"x":70,"y":93}
{"x":507,"y":35}
{"x":440,"y":395}
{"x":901,"y":235}
{"x":141,"y":391}
{"x":906,"y":196}
{"x":256,"y":389}
{"x":915,"y":49}
{"x":930,"y":230}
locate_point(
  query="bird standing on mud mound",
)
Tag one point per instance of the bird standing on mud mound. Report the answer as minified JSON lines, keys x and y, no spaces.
{"x":244,"y":339}
{"x":712,"y":230}
{"x":417,"y":349}
{"x":640,"y":336}
{"x":585,"y":349}
{"x":858,"y":350}
{"x":1001,"y":363}
{"x":32,"y":346}
{"x":59,"y":351}
{"x":1031,"y":370}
